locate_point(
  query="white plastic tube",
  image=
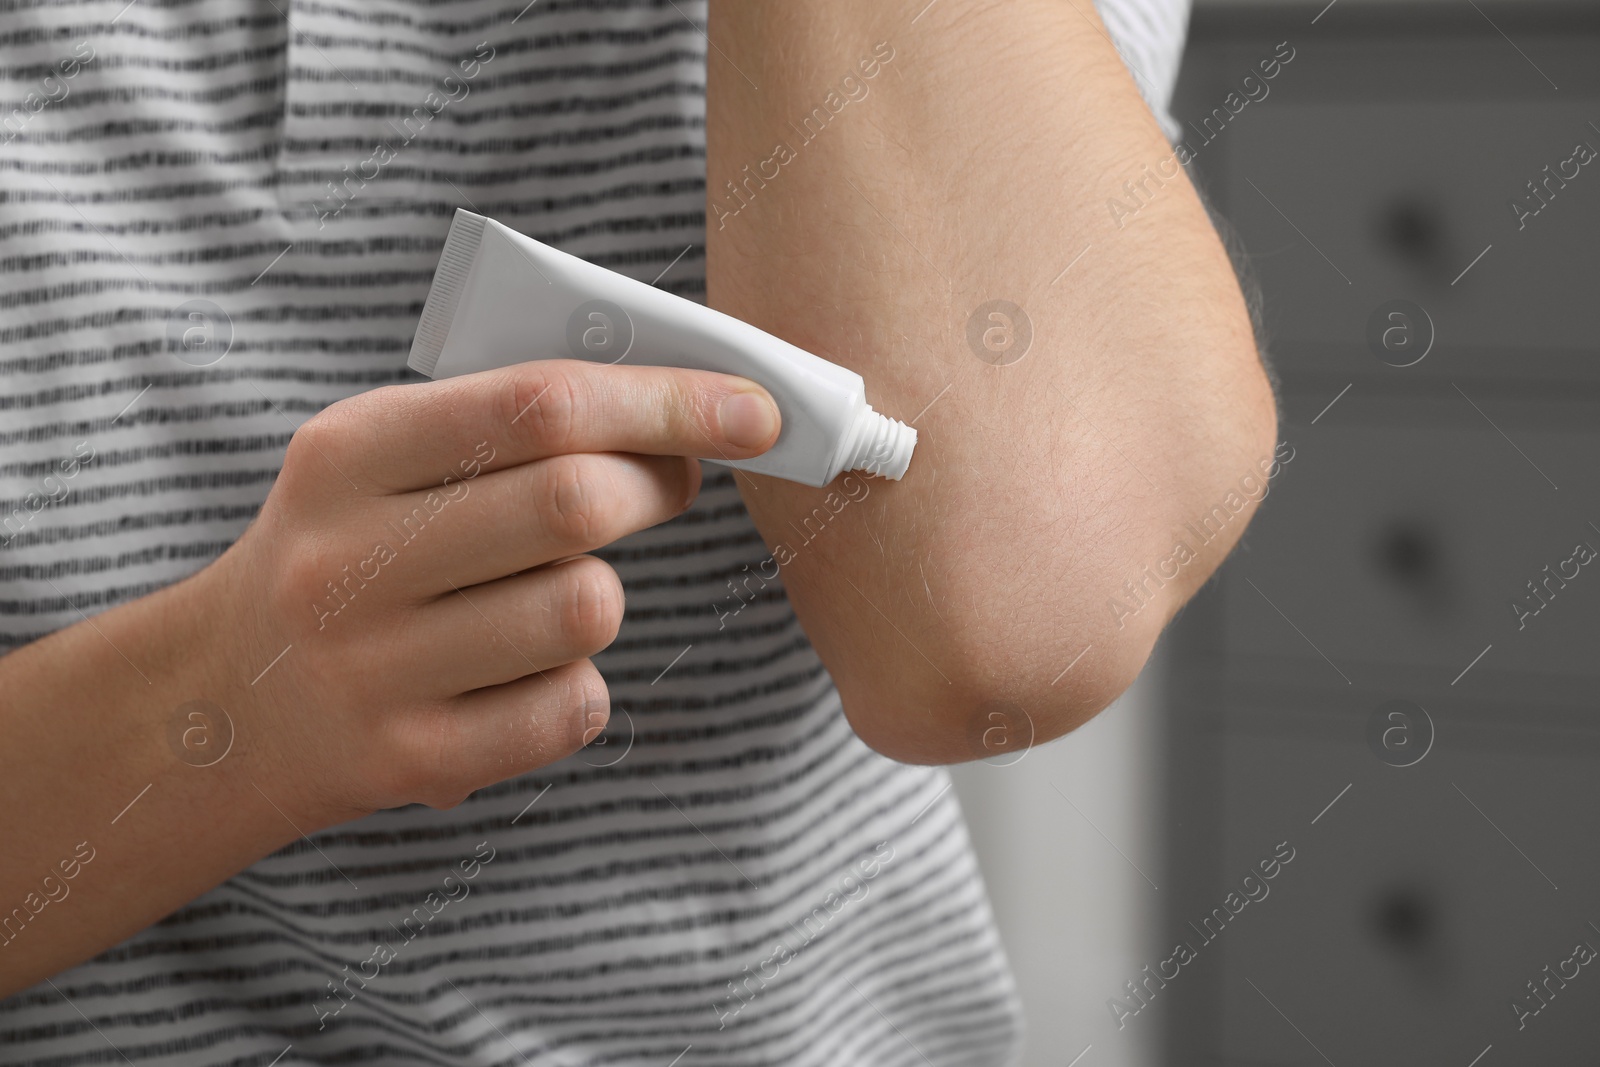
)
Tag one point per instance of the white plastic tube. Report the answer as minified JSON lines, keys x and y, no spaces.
{"x":500,"y":297}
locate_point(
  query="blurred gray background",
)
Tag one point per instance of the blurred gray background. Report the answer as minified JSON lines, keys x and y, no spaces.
{"x":1394,"y":676}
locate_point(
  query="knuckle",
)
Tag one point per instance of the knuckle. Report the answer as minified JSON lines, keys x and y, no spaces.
{"x":592,"y":604}
{"x":309,"y":583}
{"x":691,"y":412}
{"x":418,"y":766}
{"x":302,"y":568}
{"x":542,"y":407}
{"x":301,"y":450}
{"x":325,"y":445}
{"x":327,"y":430}
{"x":442,"y":796}
{"x":579,"y":511}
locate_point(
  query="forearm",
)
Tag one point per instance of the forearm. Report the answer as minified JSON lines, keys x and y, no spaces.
{"x":111,"y":821}
{"x":977,"y":166}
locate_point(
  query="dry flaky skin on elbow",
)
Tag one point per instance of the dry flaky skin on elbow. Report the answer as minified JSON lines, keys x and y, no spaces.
{"x":892,"y":174}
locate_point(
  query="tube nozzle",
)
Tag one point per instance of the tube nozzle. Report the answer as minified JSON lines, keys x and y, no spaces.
{"x":883,"y":446}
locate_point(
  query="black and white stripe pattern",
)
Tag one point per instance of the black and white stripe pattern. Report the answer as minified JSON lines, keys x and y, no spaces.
{"x":746,"y":836}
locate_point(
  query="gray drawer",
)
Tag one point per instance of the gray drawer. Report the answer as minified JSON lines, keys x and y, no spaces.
{"x":1403,"y":531}
{"x":1401,"y":197}
{"x":1406,"y":922}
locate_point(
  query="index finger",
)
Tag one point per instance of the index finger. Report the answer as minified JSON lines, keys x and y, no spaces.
{"x":414,"y":436}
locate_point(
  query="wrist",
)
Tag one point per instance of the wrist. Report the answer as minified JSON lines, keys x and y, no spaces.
{"x":223,"y":723}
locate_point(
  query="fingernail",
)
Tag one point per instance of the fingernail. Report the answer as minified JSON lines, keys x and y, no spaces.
{"x":593,"y":714}
{"x":749,"y":420}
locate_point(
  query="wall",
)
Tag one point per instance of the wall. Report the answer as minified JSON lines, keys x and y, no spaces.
{"x":1077,"y":918}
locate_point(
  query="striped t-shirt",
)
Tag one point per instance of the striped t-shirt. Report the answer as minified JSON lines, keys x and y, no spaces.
{"x":188,"y":270}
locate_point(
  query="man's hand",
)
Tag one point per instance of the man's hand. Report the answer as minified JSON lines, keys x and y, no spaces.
{"x":421,"y":553}
{"x":407,"y":620}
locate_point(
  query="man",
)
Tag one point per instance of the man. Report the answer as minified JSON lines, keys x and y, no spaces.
{"x":265,"y":600}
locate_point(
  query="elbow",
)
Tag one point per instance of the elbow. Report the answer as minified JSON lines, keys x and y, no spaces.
{"x":1064,"y":636}
{"x":993,"y":703}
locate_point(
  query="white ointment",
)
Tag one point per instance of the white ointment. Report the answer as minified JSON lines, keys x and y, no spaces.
{"x":500,"y":297}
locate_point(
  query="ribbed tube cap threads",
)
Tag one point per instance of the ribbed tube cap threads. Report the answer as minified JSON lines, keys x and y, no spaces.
{"x":883,"y":446}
